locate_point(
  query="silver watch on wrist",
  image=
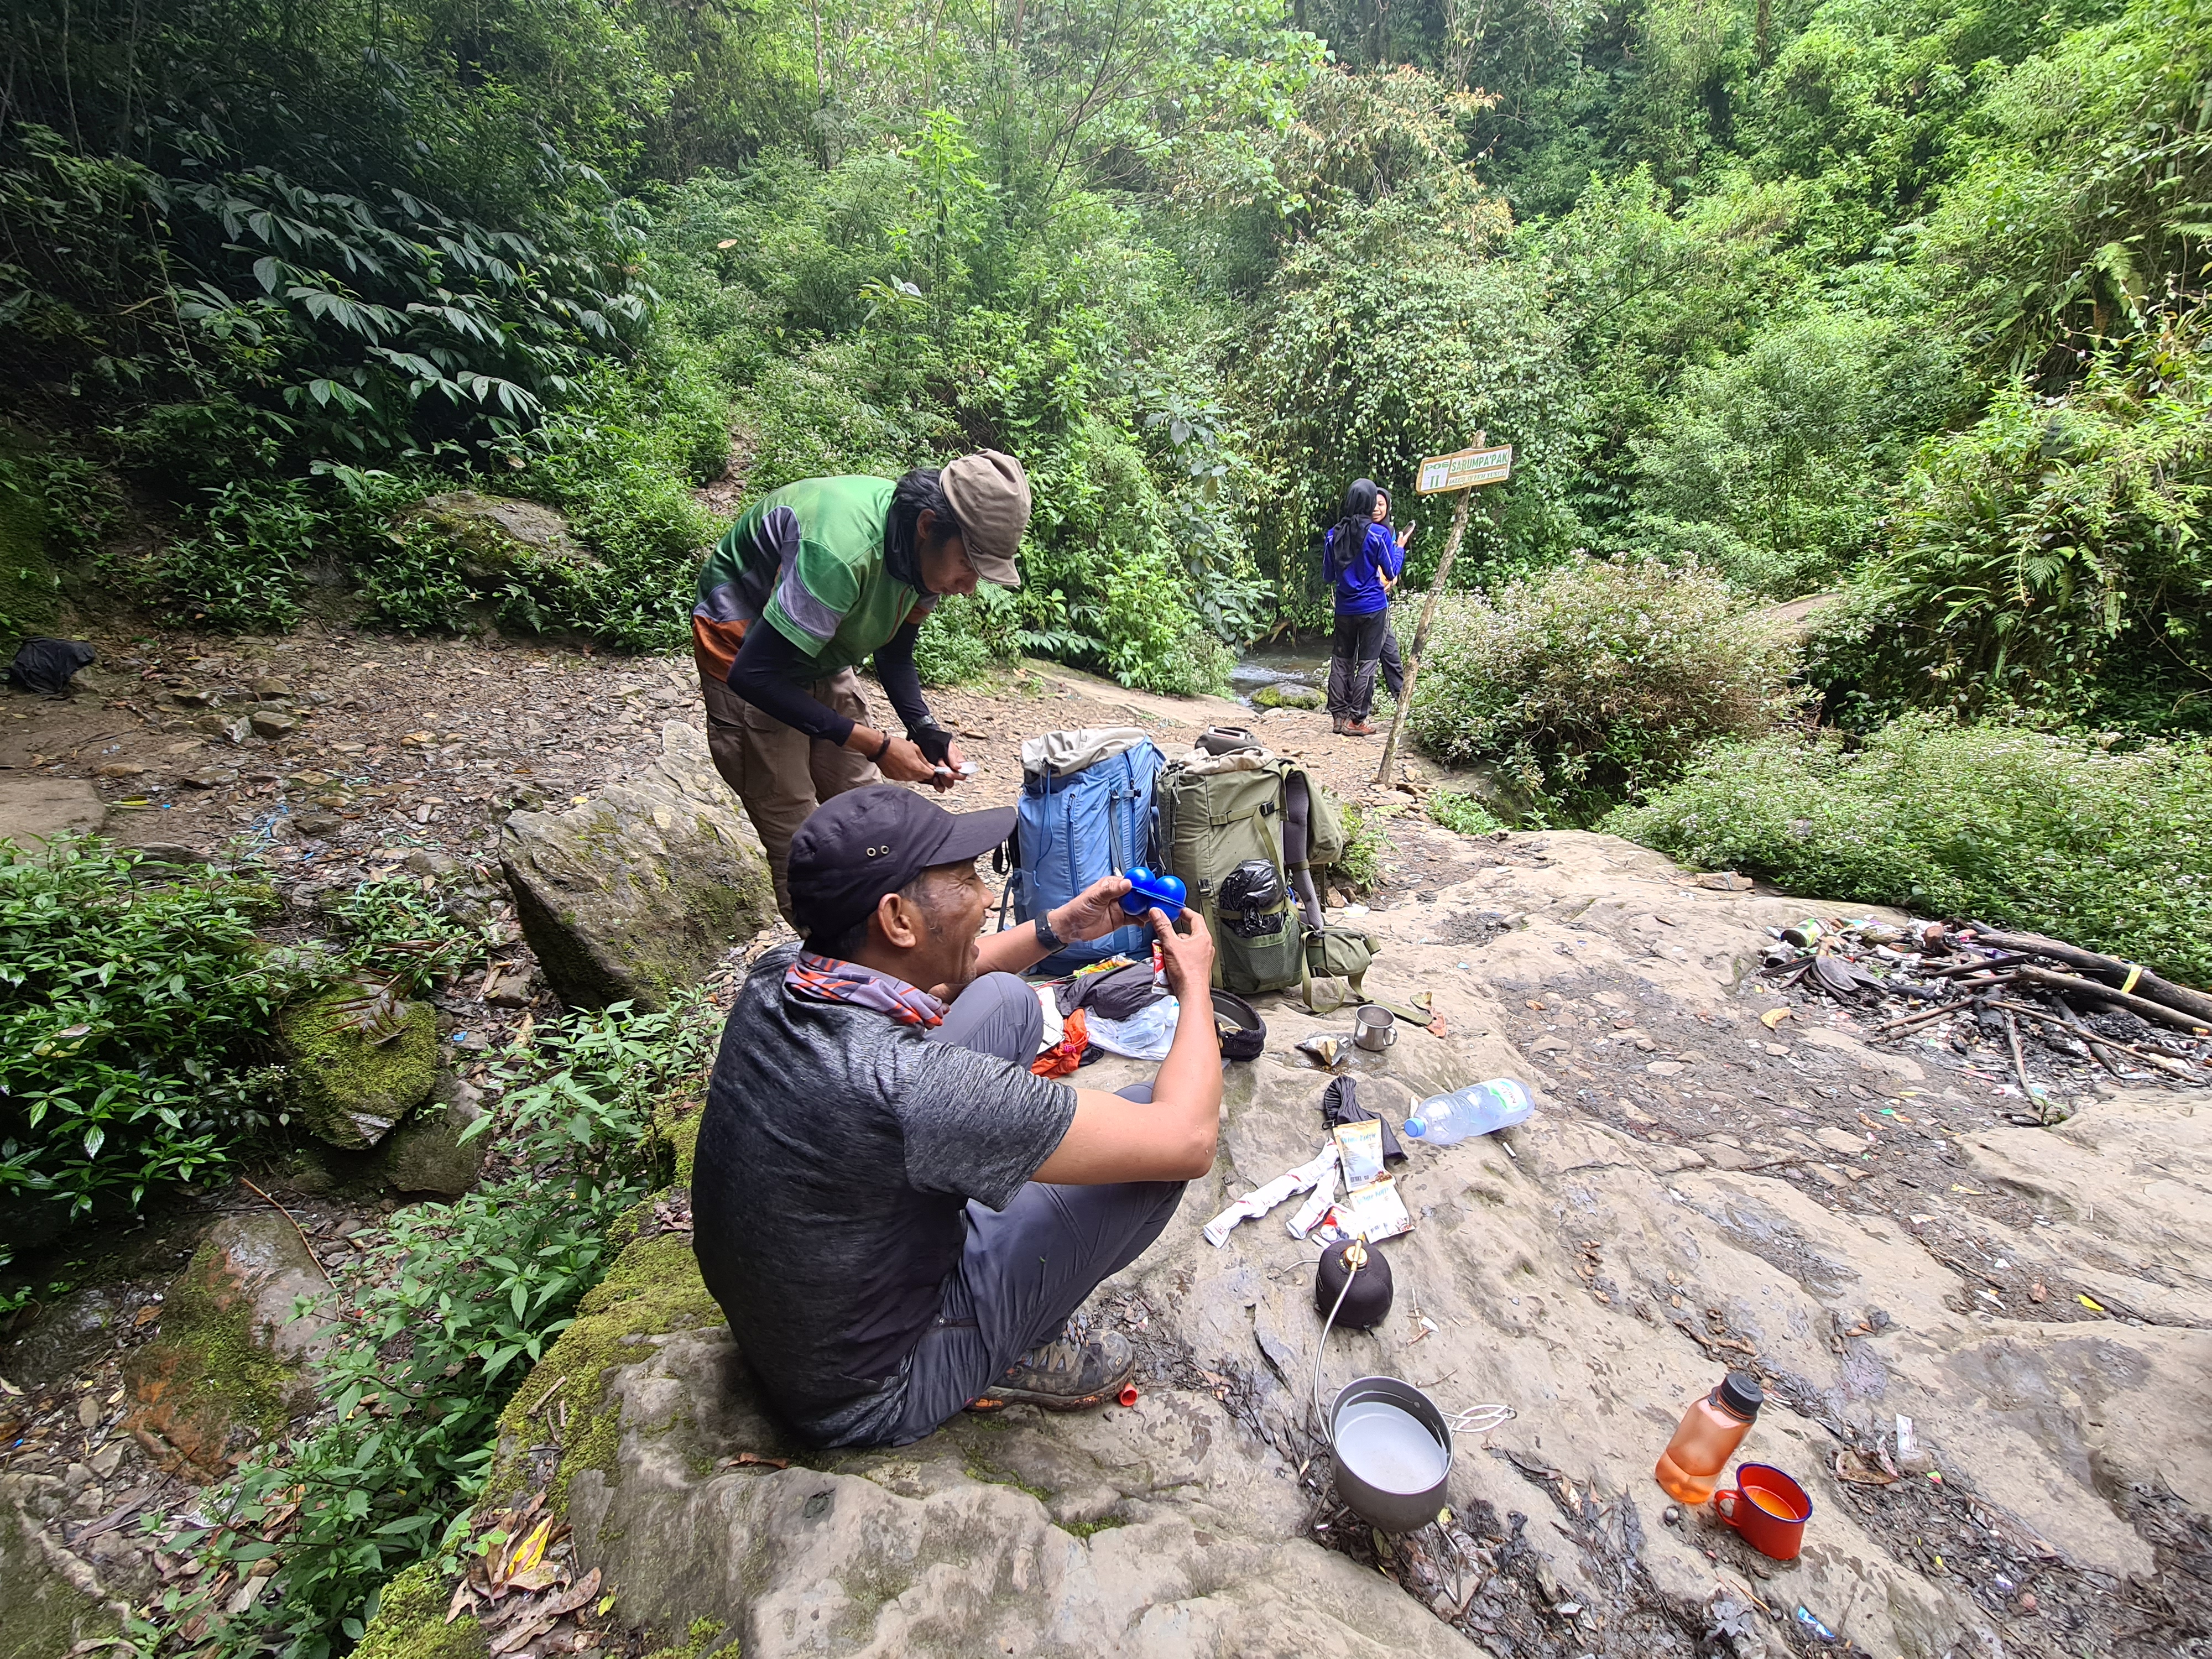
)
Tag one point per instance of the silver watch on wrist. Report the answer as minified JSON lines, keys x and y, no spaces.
{"x":1047,"y":938}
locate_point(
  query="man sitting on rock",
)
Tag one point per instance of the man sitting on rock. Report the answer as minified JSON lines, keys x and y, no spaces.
{"x":897,"y":1216}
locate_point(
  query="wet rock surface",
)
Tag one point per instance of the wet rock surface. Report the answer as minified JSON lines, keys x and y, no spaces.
{"x":1593,"y":1271}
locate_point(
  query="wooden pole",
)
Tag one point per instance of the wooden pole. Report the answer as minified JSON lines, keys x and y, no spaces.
{"x":1387,"y":774}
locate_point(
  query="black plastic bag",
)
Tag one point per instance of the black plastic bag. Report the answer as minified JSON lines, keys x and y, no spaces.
{"x":1340,"y":1103}
{"x":46,"y":666}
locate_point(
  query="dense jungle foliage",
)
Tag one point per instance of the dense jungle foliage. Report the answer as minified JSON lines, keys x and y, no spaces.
{"x":1896,"y":298}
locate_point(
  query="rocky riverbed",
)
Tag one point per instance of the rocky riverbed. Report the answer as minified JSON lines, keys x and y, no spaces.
{"x":1861,"y":1222}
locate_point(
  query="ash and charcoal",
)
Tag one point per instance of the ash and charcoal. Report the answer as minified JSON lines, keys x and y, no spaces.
{"x":2055,"y":1017}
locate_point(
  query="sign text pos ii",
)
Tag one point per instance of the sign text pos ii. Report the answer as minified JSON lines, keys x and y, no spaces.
{"x":1464,"y":470}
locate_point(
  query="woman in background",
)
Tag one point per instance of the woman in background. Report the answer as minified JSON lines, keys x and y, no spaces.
{"x":1358,"y":558}
{"x":1394,"y":666}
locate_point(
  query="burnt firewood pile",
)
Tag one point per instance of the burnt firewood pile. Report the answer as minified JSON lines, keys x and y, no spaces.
{"x":2021,"y":1005}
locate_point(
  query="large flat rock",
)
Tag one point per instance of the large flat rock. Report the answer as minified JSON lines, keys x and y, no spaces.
{"x":1687,"y":1199}
{"x":34,"y":811}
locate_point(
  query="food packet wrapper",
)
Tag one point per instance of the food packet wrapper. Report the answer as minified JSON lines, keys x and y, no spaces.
{"x":1261,"y":1199}
{"x":1360,"y":1147}
{"x":1324,"y":1195}
{"x":1375,"y":1211}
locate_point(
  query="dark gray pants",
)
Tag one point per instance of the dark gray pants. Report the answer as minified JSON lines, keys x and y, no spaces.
{"x":1393,"y":665}
{"x":1354,"y":654}
{"x":1024,"y":1269}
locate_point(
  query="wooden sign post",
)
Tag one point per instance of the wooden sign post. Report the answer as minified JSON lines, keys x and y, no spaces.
{"x":1460,"y":474}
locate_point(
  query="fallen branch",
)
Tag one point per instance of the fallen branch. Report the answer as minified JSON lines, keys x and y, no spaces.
{"x":2165,"y":1062}
{"x":296,"y":1228}
{"x":2020,"y":1065}
{"x":2089,"y":1039}
{"x":2132,"y":976}
{"x":1954,"y":969}
{"x":2141,"y":1008}
{"x":1923,"y":1016}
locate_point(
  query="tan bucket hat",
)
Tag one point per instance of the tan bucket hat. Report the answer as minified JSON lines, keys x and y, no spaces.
{"x":990,"y":496}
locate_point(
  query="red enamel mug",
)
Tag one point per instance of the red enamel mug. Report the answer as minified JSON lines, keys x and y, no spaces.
{"x":1768,"y":1508}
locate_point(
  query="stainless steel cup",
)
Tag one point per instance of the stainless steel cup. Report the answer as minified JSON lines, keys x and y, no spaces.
{"x":1374,"y":1028}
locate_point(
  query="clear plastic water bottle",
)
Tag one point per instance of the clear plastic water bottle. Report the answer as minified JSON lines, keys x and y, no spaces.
{"x":1445,"y":1119}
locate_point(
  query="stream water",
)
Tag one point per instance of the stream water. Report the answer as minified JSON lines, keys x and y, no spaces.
{"x":1292,"y":663}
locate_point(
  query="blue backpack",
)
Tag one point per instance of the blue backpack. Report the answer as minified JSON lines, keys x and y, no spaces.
{"x":1072,"y":831}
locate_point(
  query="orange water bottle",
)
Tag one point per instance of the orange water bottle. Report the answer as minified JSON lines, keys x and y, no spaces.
{"x":1707,"y":1437}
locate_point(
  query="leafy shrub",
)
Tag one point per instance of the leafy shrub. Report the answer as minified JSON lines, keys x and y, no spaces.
{"x":1366,"y":838}
{"x":968,"y":635}
{"x":417,"y":584}
{"x":2111,"y":850}
{"x":239,"y":568}
{"x":2053,"y":555}
{"x":132,"y":1010}
{"x":1463,"y":815}
{"x":395,"y":932}
{"x":1598,"y":679}
{"x":1772,"y":464}
{"x":445,"y":1314}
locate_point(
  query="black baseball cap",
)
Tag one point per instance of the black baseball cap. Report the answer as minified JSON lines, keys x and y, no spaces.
{"x":857,"y":847}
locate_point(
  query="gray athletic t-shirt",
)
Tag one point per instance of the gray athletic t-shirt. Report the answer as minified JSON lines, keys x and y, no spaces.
{"x":836,"y":1157}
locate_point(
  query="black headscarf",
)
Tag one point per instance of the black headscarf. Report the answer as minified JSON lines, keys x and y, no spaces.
{"x":1351,"y":529}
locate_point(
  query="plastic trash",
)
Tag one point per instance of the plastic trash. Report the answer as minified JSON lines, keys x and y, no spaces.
{"x":1146,"y":1034}
{"x":1443,"y":1120}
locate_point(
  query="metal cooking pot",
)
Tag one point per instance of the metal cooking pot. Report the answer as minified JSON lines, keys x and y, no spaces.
{"x":1369,"y":1491}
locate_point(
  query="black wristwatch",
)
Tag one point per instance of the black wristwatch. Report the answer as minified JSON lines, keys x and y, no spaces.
{"x":1046,"y":937}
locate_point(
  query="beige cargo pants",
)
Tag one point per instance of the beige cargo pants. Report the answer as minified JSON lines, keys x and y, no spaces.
{"x":781,"y":774}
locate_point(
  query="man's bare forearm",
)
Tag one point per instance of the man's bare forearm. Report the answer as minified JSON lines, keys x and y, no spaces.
{"x":1189,"y":1080}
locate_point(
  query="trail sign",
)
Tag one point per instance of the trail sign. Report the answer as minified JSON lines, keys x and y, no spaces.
{"x":1460,"y":474}
{"x":1465,"y":470}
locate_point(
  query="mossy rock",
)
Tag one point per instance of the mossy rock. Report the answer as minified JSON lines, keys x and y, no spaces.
{"x":410,"y":1622}
{"x":44,"y":1610}
{"x":351,"y":1089}
{"x":224,"y":1373}
{"x":641,"y":890}
{"x":1287,"y":694}
{"x":498,"y":536}
{"x":652,"y":1288}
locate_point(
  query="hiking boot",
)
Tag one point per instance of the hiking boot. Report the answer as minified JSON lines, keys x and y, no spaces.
{"x":1064,"y":1375}
{"x":1357,"y":729}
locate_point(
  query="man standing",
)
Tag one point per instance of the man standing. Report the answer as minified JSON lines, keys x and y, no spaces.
{"x":841,"y":570}
{"x":896,"y":1215}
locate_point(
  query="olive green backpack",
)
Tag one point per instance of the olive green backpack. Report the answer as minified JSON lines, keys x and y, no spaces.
{"x":1262,"y":807}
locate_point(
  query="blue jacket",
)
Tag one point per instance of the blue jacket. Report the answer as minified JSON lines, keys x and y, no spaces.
{"x":1359,"y":581}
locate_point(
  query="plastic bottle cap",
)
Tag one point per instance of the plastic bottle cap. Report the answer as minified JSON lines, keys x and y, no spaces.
{"x":1740,"y":1393}
{"x":1416,"y":1127}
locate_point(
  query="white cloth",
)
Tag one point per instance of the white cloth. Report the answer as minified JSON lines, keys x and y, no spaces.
{"x":1059,"y":753}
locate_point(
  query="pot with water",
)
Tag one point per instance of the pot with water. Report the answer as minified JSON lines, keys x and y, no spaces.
{"x":1393,"y":1451}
